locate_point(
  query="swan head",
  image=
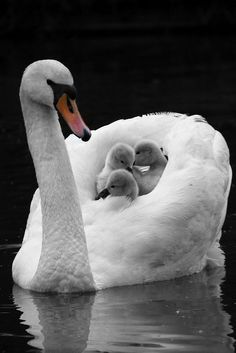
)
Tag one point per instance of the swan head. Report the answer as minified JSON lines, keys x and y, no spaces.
{"x":121,"y":156}
{"x":49,"y":83}
{"x":147,"y":152}
{"x":120,"y":183}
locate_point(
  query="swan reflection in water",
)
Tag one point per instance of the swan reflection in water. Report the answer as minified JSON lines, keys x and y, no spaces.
{"x":181,"y":315}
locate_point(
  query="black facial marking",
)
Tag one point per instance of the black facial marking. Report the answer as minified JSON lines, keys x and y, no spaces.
{"x":69,"y":104}
{"x":59,"y":89}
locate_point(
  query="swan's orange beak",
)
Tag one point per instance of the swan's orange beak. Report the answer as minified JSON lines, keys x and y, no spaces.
{"x":67,"y":107}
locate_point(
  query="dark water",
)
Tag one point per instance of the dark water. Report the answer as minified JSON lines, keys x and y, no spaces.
{"x":116,"y":78}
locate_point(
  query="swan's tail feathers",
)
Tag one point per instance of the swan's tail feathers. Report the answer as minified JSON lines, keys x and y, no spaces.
{"x":215,"y":256}
{"x":221,"y":156}
{"x":220,"y":150}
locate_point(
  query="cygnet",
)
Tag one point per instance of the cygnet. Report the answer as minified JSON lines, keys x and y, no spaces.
{"x":147,"y":153}
{"x":120,"y":156}
{"x":120,"y":182}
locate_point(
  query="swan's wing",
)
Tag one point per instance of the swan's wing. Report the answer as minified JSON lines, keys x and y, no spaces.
{"x":215,"y":255}
{"x":168,"y":232}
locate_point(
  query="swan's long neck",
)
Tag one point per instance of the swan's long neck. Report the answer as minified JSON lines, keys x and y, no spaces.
{"x":63,"y":264}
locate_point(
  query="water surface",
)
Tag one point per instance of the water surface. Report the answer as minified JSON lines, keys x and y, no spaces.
{"x":182,"y":315}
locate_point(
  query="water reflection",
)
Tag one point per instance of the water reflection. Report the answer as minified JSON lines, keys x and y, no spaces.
{"x":182,"y":315}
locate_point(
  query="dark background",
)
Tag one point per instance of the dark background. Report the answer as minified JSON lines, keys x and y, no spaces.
{"x":128,"y":57}
{"x":108,"y":17}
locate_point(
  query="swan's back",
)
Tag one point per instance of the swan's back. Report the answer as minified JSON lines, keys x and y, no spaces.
{"x":168,"y":232}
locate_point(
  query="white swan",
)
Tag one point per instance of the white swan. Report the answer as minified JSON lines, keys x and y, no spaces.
{"x":121,"y":156}
{"x":61,"y":262}
{"x":147,"y":153}
{"x":167,"y":233}
{"x":120,"y":183}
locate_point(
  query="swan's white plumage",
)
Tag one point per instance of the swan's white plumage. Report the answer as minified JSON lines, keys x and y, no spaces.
{"x":58,"y":260}
{"x":172,"y":231}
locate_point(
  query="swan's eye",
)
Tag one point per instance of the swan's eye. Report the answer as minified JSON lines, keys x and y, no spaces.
{"x":112,"y":186}
{"x":122,"y":162}
{"x":138,"y":152}
{"x":69,"y":105}
{"x":60,"y":89}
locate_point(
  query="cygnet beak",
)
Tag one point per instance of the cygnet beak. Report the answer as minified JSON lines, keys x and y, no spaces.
{"x":103,"y":194}
{"x":129,"y":169}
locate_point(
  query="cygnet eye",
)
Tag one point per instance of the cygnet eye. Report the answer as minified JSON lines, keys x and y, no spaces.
{"x":122,"y":162}
{"x":112,"y":186}
{"x":137,"y":152}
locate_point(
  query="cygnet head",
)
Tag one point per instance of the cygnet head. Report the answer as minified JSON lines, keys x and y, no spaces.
{"x":147,"y":152}
{"x":49,"y":83}
{"x":121,"y":156}
{"x":120,"y":183}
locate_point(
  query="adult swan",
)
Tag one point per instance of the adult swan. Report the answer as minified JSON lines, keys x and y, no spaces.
{"x":170,"y":232}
